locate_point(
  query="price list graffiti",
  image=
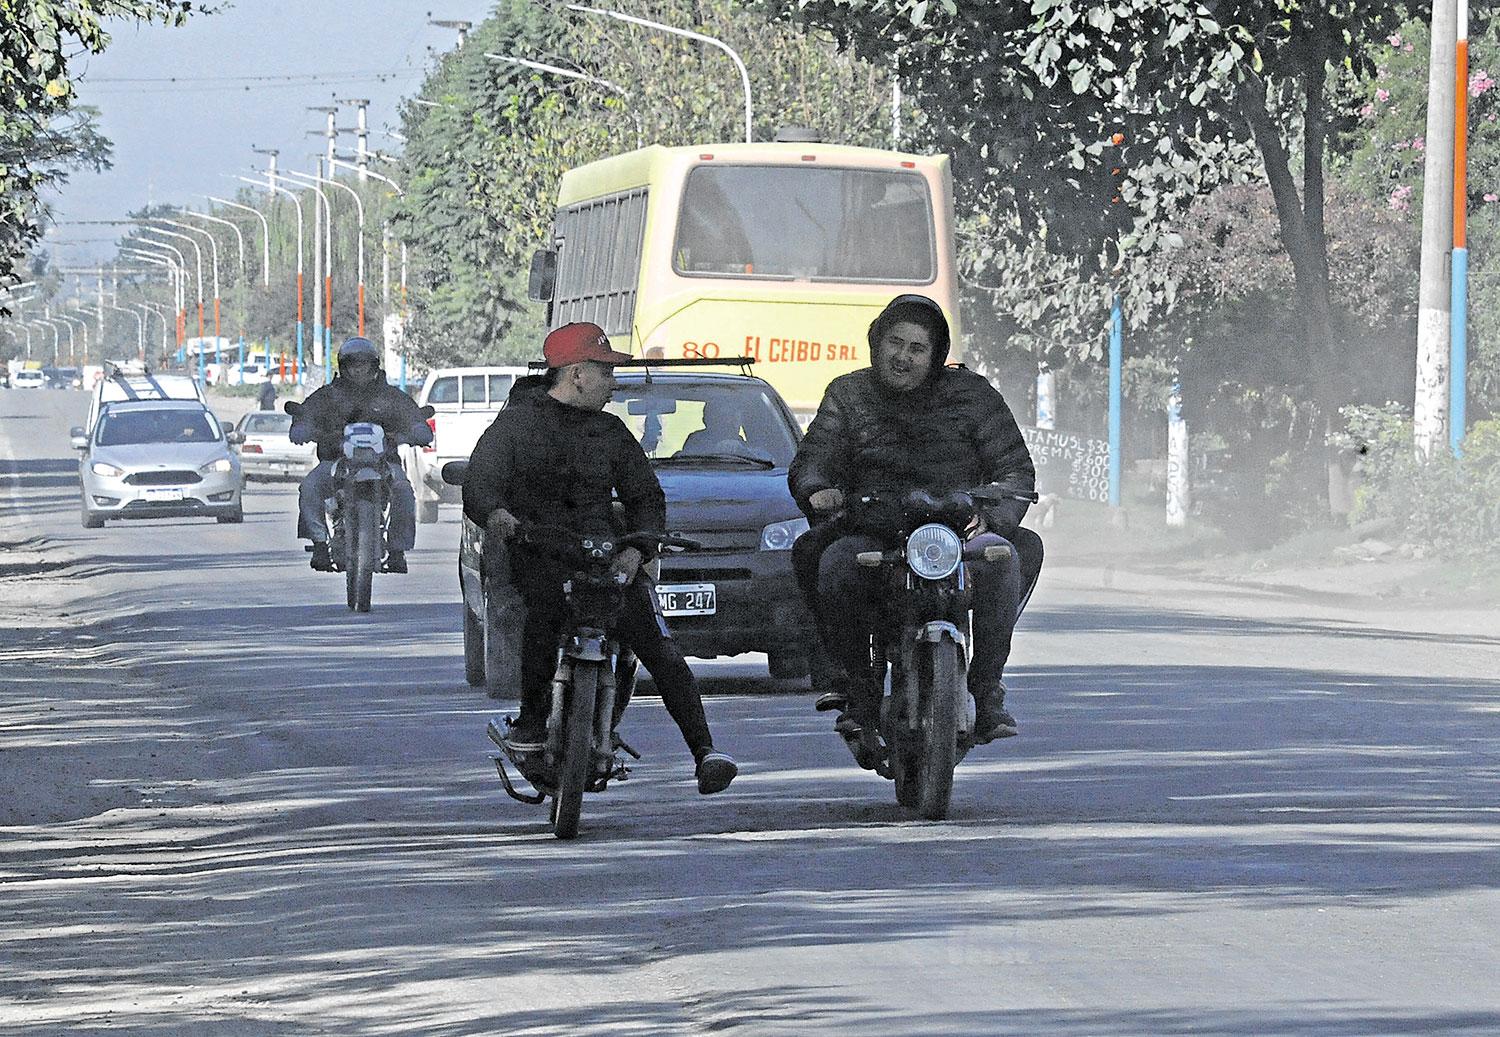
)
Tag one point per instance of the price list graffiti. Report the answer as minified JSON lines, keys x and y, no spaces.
{"x":1069,"y":465}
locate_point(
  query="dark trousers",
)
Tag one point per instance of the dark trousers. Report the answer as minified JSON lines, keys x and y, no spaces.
{"x":845,"y":598}
{"x":640,"y":627}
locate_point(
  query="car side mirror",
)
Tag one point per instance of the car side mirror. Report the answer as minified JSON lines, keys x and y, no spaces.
{"x":78,"y":437}
{"x":235,"y":436}
{"x":543,"y":279}
{"x":226,"y":427}
{"x":454,"y":472}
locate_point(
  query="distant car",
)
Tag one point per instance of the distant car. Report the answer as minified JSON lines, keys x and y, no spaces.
{"x":729,"y":492}
{"x":265,"y":452}
{"x":29,"y":379}
{"x":129,"y":380}
{"x":466,"y":400}
{"x":157,"y":459}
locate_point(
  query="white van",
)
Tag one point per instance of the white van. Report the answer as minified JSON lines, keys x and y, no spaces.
{"x":134,"y":381}
{"x":466,"y":400}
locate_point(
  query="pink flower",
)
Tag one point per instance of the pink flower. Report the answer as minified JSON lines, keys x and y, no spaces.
{"x":1492,"y":197}
{"x":1419,"y":144}
{"x":1480,"y":83}
{"x":1409,"y":48}
{"x":1382,"y":95}
{"x":1395,"y":39}
{"x":1400,"y":145}
{"x":1400,"y":199}
{"x":1369,"y":110}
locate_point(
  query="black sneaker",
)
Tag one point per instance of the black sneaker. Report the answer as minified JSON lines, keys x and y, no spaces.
{"x":395,"y":562}
{"x":321,"y":560}
{"x":525,"y":736}
{"x":715,"y":771}
{"x":992,"y":722}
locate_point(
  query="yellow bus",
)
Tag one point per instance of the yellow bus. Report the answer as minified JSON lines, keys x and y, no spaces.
{"x":782,"y":251}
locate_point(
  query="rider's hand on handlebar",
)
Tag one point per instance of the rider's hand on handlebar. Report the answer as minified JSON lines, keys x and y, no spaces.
{"x":827,"y":500}
{"x":977,"y":525}
{"x":501,"y":524}
{"x":625,"y":565}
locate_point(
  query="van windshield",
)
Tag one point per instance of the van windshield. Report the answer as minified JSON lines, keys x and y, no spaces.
{"x":806,"y":223}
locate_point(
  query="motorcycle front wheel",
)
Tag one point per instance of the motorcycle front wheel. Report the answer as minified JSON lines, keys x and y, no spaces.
{"x":577,"y":750}
{"x":938,"y":664}
{"x":364,"y":553}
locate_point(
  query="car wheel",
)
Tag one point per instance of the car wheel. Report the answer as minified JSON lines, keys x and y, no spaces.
{"x":427,"y":512}
{"x":92,"y":521}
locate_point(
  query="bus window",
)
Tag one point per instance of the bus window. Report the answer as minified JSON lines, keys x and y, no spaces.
{"x":802,"y":223}
{"x":599,"y":259}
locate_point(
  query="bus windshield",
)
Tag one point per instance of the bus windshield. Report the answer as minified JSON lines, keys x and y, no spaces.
{"x":806,"y":223}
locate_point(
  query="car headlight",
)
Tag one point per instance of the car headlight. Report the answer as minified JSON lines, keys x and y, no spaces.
{"x":933,"y":551}
{"x":223,"y":464}
{"x":102,"y":468}
{"x":778,"y":536}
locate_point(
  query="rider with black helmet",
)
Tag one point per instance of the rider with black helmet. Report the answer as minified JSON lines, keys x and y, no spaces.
{"x":358,"y":392}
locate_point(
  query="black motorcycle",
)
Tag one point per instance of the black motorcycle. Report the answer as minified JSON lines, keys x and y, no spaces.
{"x":357,"y":511}
{"x":920,"y":650}
{"x":590,"y":688}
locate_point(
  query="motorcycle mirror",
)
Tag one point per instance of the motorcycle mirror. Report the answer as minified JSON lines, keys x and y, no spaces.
{"x":454,"y":472}
{"x":292,"y":407}
{"x":428,"y":411}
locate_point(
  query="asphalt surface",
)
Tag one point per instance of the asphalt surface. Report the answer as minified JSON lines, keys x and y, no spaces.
{"x":228,"y":806}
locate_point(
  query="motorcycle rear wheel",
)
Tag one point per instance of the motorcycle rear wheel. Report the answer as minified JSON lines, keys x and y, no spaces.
{"x":578,"y":750}
{"x":364,"y":553}
{"x":938,"y":662}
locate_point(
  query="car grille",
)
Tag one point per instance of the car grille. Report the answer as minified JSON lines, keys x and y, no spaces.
{"x":170,"y":478}
{"x":675,"y":575}
{"x":163,"y":505}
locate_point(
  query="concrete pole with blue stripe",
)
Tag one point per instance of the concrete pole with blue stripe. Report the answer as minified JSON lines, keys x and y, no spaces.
{"x":1458,"y":337}
{"x":1116,"y":349}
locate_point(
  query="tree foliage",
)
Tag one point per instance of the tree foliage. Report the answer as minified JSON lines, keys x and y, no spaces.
{"x":42,"y":133}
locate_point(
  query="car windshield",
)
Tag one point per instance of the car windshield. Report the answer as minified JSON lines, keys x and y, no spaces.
{"x":267,"y":424}
{"x":805,"y":223}
{"x":126,"y":428}
{"x":721,"y":425}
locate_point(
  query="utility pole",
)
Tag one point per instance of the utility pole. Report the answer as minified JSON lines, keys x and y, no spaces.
{"x":1430,"y":414}
{"x":270,"y":154}
{"x":448,"y":23}
{"x":362,"y":135}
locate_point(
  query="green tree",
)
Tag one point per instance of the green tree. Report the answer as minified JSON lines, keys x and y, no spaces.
{"x":42,"y":133}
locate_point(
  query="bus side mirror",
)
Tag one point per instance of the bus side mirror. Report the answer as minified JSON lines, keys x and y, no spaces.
{"x":543,"y":279}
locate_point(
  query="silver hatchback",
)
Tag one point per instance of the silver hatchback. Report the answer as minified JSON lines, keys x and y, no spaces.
{"x":157,"y":459}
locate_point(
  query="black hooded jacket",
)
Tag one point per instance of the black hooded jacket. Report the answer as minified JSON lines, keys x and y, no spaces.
{"x":547,"y":462}
{"x":326,"y":412}
{"x":952,"y":432}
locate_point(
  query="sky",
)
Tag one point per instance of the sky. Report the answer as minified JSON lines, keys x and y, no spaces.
{"x":175,"y":141}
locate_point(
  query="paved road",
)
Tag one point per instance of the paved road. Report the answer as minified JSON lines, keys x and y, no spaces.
{"x":230,"y":807}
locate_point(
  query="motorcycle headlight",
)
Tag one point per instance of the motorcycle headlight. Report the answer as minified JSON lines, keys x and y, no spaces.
{"x":102,"y":468}
{"x":933,"y":551}
{"x":778,"y":536}
{"x":223,"y":464}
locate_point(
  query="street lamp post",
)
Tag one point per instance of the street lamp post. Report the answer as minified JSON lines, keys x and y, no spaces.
{"x":141,"y":244}
{"x":140,"y":330}
{"x":85,"y":329}
{"x":198,"y":256}
{"x":239,"y":284}
{"x":213,"y":247}
{"x":265,"y":235}
{"x":175,"y":274}
{"x":385,"y":265}
{"x":359,"y":207}
{"x":687,"y":34}
{"x":325,"y":238}
{"x":298,"y":203}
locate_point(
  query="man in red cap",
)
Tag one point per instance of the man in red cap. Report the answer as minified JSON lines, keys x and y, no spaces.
{"x":555,"y":458}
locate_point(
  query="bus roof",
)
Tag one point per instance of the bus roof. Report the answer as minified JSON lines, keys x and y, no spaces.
{"x":647,"y":165}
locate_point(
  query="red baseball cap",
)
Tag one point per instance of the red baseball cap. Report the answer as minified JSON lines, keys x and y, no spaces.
{"x":575,"y":343}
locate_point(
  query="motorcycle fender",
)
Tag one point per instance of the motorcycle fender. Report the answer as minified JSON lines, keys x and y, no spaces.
{"x":939,"y":629}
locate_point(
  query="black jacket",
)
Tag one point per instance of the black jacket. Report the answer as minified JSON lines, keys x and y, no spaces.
{"x":547,"y":462}
{"x":953,"y":432}
{"x":327,"y":411}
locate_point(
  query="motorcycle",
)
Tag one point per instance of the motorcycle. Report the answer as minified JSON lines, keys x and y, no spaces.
{"x":582,"y":751}
{"x":357,"y":511}
{"x":922,"y":643}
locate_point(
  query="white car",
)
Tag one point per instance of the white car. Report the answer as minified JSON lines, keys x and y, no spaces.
{"x":132,"y":381}
{"x":265,"y":451}
{"x":157,"y":459}
{"x":28,"y":380}
{"x":466,"y":400}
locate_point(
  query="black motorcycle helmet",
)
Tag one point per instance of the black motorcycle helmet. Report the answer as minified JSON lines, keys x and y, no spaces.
{"x":918,"y":310}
